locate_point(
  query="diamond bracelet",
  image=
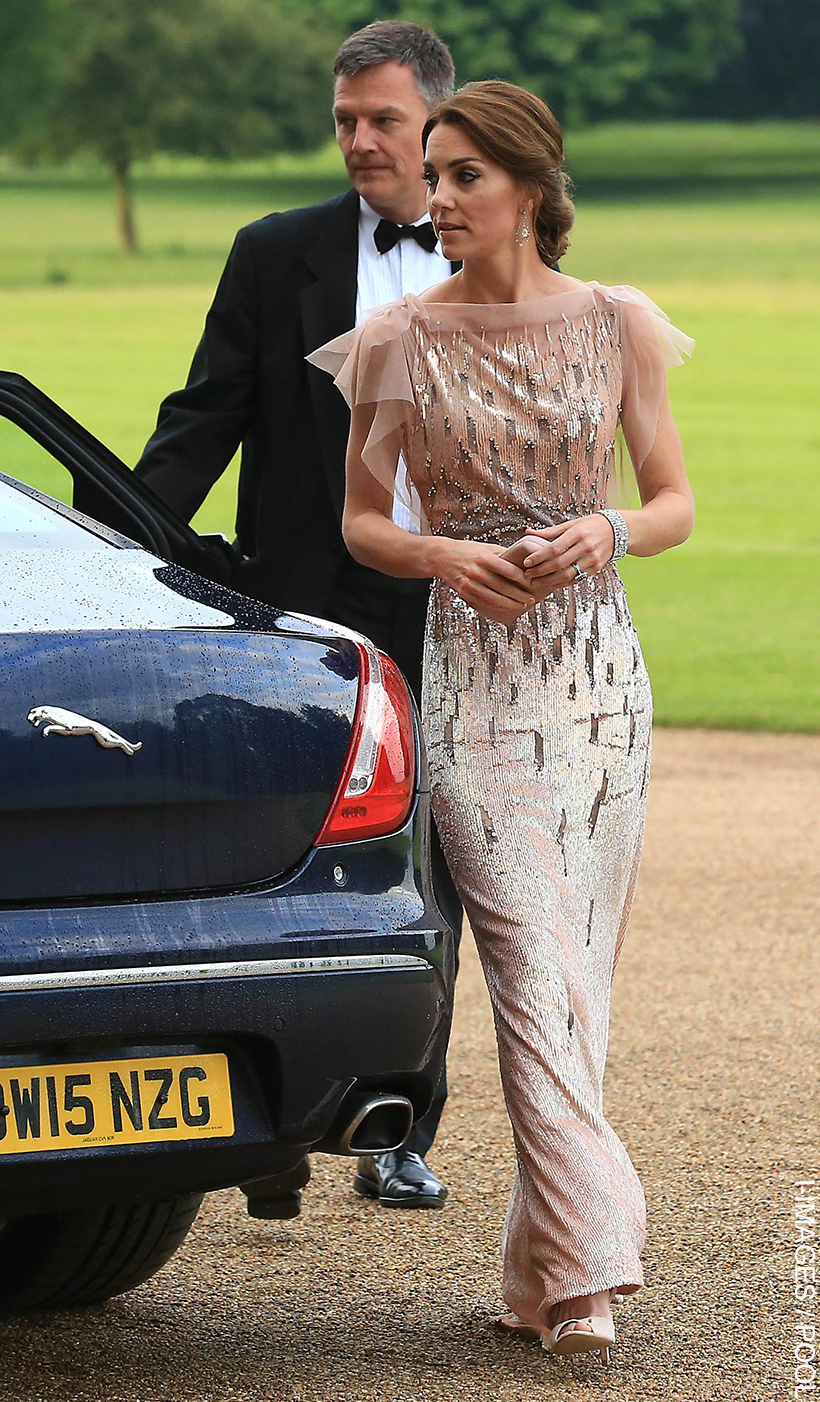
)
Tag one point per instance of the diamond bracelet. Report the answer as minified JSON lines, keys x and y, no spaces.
{"x":620,"y":530}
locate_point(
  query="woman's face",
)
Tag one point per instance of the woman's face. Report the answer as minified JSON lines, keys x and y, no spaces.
{"x":475,"y":205}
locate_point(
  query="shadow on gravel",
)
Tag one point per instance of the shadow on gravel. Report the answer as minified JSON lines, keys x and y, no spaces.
{"x":145,"y":1355}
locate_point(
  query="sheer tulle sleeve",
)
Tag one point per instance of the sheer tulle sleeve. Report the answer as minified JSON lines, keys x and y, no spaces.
{"x":370,"y":365}
{"x":650,"y":345}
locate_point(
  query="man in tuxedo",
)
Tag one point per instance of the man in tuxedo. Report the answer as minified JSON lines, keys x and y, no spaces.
{"x":293,"y":281}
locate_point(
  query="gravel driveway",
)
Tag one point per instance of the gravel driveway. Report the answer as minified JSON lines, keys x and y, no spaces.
{"x":711,"y":1083}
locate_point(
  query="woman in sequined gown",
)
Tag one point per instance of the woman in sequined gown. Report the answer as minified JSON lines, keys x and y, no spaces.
{"x":502,"y":389}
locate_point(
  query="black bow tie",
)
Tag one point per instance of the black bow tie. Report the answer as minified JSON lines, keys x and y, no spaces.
{"x":386,"y":235}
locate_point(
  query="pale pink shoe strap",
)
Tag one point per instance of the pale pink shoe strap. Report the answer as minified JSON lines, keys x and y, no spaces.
{"x":563,"y":1327}
{"x":597,"y":1325}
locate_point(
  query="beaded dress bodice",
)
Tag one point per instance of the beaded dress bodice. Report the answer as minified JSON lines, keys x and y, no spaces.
{"x":514,"y":428}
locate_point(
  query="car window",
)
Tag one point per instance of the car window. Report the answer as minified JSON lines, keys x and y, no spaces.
{"x":25,"y":459}
{"x":29,"y":524}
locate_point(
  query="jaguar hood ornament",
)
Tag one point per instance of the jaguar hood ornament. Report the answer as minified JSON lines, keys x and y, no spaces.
{"x":56,"y":721}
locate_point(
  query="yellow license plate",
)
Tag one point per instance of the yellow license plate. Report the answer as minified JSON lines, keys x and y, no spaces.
{"x":93,"y":1104}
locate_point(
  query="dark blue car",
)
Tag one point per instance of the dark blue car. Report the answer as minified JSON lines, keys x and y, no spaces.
{"x":219,"y":946}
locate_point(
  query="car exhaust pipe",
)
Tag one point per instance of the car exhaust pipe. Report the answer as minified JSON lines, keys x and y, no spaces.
{"x":369,"y":1123}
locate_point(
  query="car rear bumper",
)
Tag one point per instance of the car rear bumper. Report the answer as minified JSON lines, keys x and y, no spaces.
{"x":335,"y":981}
{"x":298,"y":1040}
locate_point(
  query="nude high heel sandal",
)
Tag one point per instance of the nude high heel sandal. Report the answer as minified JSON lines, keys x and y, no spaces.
{"x":565,"y":1340}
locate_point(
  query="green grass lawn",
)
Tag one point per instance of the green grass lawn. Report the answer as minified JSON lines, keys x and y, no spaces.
{"x":720,"y":225}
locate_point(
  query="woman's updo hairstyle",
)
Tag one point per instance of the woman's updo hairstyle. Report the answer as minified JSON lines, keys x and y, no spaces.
{"x":519,"y":132}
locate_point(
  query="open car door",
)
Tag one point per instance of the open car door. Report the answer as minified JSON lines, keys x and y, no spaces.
{"x":106,"y":490}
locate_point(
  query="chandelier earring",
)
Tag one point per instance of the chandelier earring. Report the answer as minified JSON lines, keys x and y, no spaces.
{"x":524,"y":232}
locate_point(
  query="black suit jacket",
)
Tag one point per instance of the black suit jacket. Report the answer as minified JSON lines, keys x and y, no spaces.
{"x":289,"y":285}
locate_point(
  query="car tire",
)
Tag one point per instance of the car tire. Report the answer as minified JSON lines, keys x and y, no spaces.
{"x":57,"y":1260}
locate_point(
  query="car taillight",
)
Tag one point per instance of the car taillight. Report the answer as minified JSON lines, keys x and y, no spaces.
{"x":375,"y":792}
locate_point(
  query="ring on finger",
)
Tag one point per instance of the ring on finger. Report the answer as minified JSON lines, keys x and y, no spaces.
{"x":579,"y":573}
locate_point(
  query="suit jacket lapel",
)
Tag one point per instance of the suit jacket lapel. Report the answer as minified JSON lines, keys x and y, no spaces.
{"x":328,"y":308}
{"x":329,"y":305}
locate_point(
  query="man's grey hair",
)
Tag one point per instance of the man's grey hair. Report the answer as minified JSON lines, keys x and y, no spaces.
{"x":398,"y":41}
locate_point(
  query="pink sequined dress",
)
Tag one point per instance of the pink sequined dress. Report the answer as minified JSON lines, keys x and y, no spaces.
{"x":538,"y":734}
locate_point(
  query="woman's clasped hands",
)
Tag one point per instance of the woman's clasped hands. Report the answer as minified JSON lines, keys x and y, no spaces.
{"x":505,"y":588}
{"x":585,"y":544}
{"x":496,"y":588}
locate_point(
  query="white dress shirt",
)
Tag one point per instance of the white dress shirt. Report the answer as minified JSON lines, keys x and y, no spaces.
{"x":385,"y":277}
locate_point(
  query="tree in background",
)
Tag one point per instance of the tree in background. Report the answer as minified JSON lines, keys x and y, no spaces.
{"x":218,"y":78}
{"x":29,"y":64}
{"x":586,"y":58}
{"x":777,"y":72}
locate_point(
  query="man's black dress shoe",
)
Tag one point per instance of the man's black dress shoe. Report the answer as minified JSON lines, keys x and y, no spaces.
{"x":398,"y":1179}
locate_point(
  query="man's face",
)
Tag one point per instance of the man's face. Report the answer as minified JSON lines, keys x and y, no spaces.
{"x":379,"y":116}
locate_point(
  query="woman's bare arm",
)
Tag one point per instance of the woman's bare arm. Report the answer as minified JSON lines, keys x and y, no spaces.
{"x":476,"y":571}
{"x":667,"y":513}
{"x":664,"y":519}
